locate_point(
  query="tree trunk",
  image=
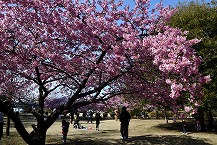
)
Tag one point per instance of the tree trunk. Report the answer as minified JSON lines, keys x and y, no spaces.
{"x":210,"y":120}
{"x":200,"y":117}
{"x":157,"y":114}
{"x":8,"y":127}
{"x":17,"y":122}
{"x":165,"y":116}
{"x":39,"y":136}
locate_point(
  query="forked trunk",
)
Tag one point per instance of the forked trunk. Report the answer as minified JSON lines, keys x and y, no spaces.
{"x":39,"y":137}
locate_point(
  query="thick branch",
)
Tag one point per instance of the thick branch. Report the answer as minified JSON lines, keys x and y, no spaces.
{"x":18,"y":124}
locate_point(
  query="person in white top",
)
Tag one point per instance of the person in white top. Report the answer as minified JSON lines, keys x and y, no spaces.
{"x":1,"y":124}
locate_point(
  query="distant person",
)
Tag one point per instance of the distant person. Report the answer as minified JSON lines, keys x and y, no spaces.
{"x":97,"y":117}
{"x":174,"y":118}
{"x":197,"y":125}
{"x":124,"y":119}
{"x":90,"y":116}
{"x":184,"y":126}
{"x":143,"y":114}
{"x":1,"y":124}
{"x":77,"y":125}
{"x":65,"y":130}
{"x":116,"y":114}
{"x":73,"y":115}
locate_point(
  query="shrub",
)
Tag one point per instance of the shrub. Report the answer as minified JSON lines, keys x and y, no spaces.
{"x":105,"y":114}
{"x":136,"y":112}
{"x":112,"y":114}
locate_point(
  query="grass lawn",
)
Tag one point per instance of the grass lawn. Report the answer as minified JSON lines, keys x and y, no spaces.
{"x":141,"y":132}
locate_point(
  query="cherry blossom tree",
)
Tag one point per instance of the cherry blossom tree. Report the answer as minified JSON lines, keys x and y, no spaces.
{"x":89,"y":51}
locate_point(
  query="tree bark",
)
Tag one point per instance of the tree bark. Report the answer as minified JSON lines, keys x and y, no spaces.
{"x":165,"y":116}
{"x":38,"y":135}
{"x":17,"y":122}
{"x":8,"y":127}
{"x":200,"y":117}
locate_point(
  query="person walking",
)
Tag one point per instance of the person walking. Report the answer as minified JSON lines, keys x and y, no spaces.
{"x":90,"y":116}
{"x":97,"y":117}
{"x":1,"y":124}
{"x":124,"y":119}
{"x":65,"y":129}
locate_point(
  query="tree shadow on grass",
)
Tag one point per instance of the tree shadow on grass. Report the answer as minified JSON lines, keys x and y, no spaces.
{"x":139,"y":140}
{"x":190,"y":127}
{"x":166,"y":140}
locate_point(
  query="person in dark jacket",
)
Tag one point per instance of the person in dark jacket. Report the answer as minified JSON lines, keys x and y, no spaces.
{"x":90,"y":116}
{"x":97,"y":117}
{"x":124,"y":119}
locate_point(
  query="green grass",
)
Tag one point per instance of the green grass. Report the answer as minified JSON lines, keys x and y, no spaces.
{"x":142,"y":132}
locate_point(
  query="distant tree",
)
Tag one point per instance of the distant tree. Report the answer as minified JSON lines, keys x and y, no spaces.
{"x":200,"y":19}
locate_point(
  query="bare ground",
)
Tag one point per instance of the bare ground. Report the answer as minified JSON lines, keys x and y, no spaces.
{"x":141,"y":132}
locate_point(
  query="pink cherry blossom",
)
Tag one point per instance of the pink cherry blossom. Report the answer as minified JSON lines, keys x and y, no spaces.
{"x":74,"y":53}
